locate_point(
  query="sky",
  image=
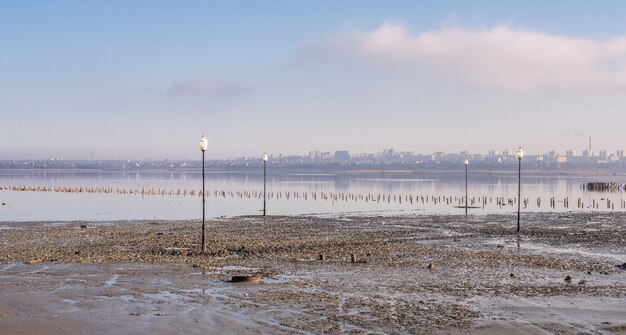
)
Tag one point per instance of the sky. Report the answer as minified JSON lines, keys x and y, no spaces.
{"x":146,"y":79}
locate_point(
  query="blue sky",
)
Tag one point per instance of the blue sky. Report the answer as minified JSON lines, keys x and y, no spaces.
{"x":145,"y":79}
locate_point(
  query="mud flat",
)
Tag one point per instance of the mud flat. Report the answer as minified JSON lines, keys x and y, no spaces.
{"x":445,"y":274}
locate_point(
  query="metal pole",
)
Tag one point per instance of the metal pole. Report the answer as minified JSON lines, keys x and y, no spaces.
{"x":519,"y":191}
{"x":203,"y":204}
{"x":264,"y":194}
{"x":465,"y":189}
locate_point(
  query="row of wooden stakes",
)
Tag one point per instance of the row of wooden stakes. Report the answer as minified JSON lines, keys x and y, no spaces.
{"x":333,"y":197}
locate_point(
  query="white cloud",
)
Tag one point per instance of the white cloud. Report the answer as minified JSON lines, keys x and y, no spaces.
{"x":206,"y":86}
{"x":502,"y":57}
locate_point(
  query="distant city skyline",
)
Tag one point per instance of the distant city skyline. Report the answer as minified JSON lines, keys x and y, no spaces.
{"x":386,"y":155}
{"x":146,"y":79}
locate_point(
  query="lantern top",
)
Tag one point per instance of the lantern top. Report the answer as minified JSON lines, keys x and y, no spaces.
{"x":203,"y":144}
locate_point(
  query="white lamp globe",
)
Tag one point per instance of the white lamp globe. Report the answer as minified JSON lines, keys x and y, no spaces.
{"x":203,"y":144}
{"x":520,"y":153}
{"x":466,"y":162}
{"x":265,"y":158}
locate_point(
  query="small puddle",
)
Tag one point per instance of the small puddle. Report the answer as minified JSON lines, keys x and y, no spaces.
{"x":57,"y":224}
{"x":164,"y":295}
{"x":238,"y":268}
{"x":273,"y":280}
{"x":620,"y":258}
{"x":112,"y":281}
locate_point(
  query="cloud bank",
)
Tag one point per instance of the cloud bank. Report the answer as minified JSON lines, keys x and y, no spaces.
{"x":502,"y":57}
{"x":207,"y":86}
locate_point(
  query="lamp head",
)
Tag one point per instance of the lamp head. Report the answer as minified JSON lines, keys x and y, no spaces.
{"x":466,"y":162}
{"x":203,"y":144}
{"x":520,"y":153}
{"x":265,"y":157}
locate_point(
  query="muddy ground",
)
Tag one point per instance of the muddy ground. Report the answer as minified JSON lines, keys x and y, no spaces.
{"x":411,"y":274}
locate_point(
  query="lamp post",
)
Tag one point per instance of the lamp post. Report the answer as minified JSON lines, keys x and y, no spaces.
{"x":264,"y":174}
{"x":466,"y":162}
{"x":203,"y":146}
{"x":519,"y":155}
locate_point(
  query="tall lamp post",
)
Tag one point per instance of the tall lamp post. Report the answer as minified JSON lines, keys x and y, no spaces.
{"x":519,"y":155}
{"x":466,"y":162}
{"x":203,"y":146}
{"x":264,"y":174}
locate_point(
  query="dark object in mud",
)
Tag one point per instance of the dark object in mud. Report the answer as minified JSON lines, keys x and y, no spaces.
{"x":512,"y":275}
{"x":568,"y":279}
{"x":83,"y":226}
{"x":431,"y":266}
{"x":322,"y":257}
{"x":4,"y":204}
{"x":623,"y":266}
{"x":604,"y":186}
{"x":246,"y":279}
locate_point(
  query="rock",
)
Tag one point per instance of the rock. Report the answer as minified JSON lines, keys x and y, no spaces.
{"x":83,"y":226}
{"x":623,"y":266}
{"x":582,"y":282}
{"x":568,"y":279}
{"x":254,"y":280}
{"x":512,"y":275}
{"x":431,"y":266}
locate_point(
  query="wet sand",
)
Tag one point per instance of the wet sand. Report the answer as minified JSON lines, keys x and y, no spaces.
{"x":440,"y":274}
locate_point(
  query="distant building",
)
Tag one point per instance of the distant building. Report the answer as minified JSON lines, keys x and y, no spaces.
{"x":342,"y":156}
{"x":387,"y":153}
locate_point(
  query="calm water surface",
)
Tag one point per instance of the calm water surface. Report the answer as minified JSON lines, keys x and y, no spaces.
{"x":240,"y":193}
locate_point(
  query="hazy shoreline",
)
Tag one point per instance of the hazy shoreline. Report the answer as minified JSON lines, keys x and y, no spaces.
{"x":349,"y":169}
{"x":414,"y":274}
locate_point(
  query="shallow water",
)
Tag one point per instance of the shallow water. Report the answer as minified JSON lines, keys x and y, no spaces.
{"x":232,"y":193}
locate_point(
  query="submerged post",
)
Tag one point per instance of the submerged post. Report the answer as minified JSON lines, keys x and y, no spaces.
{"x":519,"y":154}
